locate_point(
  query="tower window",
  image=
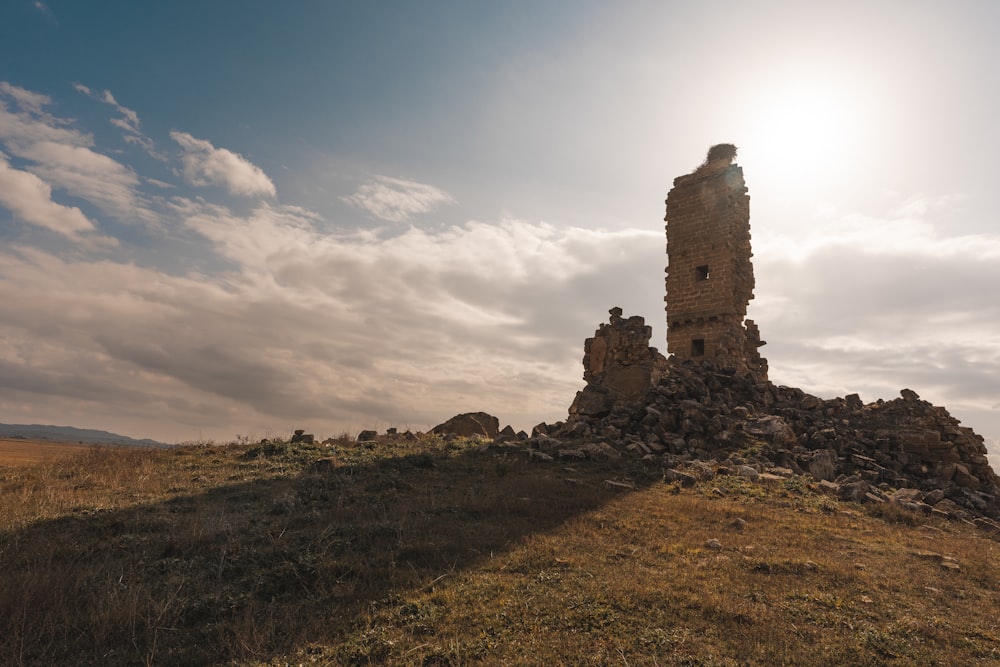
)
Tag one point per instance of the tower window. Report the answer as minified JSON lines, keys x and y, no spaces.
{"x":701,"y":272}
{"x":698,"y":347}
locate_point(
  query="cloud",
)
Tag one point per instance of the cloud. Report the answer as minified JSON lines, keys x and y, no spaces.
{"x":326,"y":331}
{"x":44,"y":9}
{"x":84,"y":173}
{"x":26,"y":99}
{"x":204,"y":164}
{"x":30,"y":122}
{"x":872,"y":304}
{"x":64,"y":159}
{"x":30,"y":199}
{"x":128,"y":122}
{"x":397,"y":200}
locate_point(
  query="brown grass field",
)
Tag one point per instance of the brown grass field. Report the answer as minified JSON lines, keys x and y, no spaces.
{"x":17,"y":451}
{"x":434,"y":553}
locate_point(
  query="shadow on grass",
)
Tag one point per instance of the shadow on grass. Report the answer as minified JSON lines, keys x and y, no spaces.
{"x":254,"y":569}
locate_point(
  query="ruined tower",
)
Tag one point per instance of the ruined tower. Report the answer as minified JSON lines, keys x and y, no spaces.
{"x":709,"y":274}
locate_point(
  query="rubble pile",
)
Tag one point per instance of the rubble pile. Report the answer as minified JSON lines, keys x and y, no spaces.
{"x":694,"y":413}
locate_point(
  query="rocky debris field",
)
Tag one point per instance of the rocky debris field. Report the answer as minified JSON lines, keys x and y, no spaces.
{"x":699,"y":421}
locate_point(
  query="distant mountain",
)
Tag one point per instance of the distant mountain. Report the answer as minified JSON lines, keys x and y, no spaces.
{"x":72,"y":434}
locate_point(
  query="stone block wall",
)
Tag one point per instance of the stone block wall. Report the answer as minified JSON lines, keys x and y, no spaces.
{"x":619,"y":366}
{"x":709,"y":279}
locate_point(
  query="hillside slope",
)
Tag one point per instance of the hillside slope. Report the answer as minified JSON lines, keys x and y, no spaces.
{"x":420,"y":551}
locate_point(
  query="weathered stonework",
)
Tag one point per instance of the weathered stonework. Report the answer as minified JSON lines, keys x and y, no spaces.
{"x":619,"y":366}
{"x":709,"y":274}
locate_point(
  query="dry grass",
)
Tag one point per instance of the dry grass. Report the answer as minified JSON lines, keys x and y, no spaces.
{"x":434,"y":554}
{"x":21,"y":451}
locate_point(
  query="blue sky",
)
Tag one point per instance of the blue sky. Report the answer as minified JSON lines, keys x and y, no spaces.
{"x":248,"y":217}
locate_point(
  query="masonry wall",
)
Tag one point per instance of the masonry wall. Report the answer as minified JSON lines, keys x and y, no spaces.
{"x":709,"y":278}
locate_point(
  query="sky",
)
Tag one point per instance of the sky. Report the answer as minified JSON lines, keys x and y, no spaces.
{"x":244,"y":217}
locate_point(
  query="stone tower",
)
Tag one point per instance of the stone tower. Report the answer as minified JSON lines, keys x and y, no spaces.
{"x":709,"y":273}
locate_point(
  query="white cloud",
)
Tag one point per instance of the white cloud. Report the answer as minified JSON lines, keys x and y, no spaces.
{"x":128,"y":122}
{"x":204,"y":164}
{"x":26,"y":99}
{"x":907,"y":230}
{"x":63,"y":157}
{"x":873,"y":304}
{"x":29,"y":198}
{"x":30,"y":123}
{"x":396,"y":199}
{"x":84,"y":173}
{"x":323,"y":331}
{"x":163,"y":185}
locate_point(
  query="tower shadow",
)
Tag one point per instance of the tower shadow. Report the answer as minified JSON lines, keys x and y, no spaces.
{"x":254,"y":569}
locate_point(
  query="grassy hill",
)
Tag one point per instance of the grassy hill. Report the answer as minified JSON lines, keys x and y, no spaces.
{"x":433,"y":553}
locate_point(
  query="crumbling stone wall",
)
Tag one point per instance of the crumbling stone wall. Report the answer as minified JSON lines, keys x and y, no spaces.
{"x":619,"y":366}
{"x":710,"y":280}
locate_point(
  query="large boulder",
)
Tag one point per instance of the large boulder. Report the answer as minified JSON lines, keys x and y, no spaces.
{"x":470,"y":424}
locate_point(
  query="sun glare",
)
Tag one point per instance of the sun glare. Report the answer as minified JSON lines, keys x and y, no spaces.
{"x":804,"y":134}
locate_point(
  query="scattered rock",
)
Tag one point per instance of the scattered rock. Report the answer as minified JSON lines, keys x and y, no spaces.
{"x":301,"y":436}
{"x":367,"y":436}
{"x":324,"y":465}
{"x":600,"y":451}
{"x":674,"y":475}
{"x":830,"y":488}
{"x":902,"y":496}
{"x":713,"y":544}
{"x":853,"y":402}
{"x":987,"y":524}
{"x":934,"y":497}
{"x":950,"y":509}
{"x":823,"y":465}
{"x":772,"y":428}
{"x":853,"y":491}
{"x":673,"y":413}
